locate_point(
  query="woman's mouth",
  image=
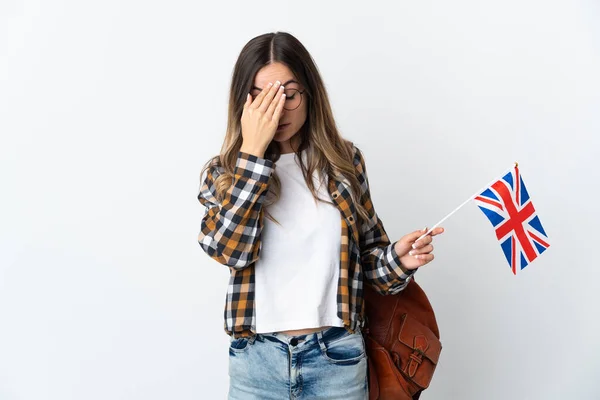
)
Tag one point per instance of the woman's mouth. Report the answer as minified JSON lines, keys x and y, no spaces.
{"x":282,"y":126}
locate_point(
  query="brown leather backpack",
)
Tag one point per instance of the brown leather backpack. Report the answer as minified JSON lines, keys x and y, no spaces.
{"x":402,"y":343}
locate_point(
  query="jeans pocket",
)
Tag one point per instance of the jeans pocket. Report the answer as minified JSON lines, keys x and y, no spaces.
{"x":238,"y":345}
{"x":346,"y":350}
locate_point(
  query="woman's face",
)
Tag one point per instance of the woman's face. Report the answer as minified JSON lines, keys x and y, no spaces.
{"x":290,"y":121}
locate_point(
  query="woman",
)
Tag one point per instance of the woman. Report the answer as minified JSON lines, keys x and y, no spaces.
{"x":288,"y":210}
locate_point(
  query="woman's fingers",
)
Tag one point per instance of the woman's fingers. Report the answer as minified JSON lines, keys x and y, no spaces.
{"x":411,"y":237}
{"x":416,"y":251}
{"x":411,"y":241}
{"x":422,"y":250}
{"x":436,"y":231}
{"x":274,"y":103}
{"x":427,"y":239}
{"x":248,"y":101}
{"x":422,"y":242}
{"x":403,"y":245}
{"x":424,"y":258}
{"x":258,"y":99}
{"x":279,"y":108}
{"x":266,"y":102}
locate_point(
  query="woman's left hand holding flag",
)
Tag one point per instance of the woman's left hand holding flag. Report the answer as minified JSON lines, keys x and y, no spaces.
{"x":416,"y":253}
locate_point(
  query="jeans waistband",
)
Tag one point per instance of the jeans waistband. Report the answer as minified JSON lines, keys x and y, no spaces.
{"x":326,"y":334}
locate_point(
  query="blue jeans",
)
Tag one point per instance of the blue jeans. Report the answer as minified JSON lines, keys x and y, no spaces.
{"x":328,"y":364}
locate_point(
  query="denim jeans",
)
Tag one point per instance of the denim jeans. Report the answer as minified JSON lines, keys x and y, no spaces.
{"x":327,"y":364}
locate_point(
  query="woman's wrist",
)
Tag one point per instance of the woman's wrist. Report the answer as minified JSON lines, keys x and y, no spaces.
{"x":255,"y":152}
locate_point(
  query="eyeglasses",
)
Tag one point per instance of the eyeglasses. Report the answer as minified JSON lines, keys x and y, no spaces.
{"x":293,"y":98}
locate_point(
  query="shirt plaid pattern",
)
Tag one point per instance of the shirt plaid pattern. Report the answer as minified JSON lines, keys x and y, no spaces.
{"x":230,"y":234}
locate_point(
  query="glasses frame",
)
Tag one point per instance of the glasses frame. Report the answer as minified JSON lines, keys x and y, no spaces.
{"x":290,"y":109}
{"x":299,"y":91}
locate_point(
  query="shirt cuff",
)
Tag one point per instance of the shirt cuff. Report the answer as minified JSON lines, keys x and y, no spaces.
{"x":253,"y":167}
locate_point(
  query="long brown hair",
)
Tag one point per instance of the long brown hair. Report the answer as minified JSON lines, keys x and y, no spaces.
{"x":326,"y":150}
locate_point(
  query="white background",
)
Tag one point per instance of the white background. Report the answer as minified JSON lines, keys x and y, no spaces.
{"x":108,"y":110}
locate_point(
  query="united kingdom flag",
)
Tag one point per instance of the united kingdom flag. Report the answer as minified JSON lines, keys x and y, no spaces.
{"x":507,"y":205}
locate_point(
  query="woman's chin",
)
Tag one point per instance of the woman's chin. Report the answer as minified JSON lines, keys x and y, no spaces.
{"x":282,"y":136}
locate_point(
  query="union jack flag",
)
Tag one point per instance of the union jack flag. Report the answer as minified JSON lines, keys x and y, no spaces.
{"x":507,"y":205}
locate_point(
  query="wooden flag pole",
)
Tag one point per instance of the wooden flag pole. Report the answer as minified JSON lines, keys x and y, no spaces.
{"x":469,"y":199}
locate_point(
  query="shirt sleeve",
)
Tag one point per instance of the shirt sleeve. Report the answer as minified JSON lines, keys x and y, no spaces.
{"x":230,"y":230}
{"x":380,"y":261}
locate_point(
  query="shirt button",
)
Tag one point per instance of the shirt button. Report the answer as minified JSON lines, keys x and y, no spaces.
{"x":294,"y":341}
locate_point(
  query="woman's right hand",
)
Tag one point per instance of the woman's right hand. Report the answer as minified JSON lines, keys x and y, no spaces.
{"x":260,"y":119}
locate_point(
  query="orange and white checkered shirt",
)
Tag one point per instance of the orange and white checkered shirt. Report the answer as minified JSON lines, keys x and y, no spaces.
{"x":231,"y":234}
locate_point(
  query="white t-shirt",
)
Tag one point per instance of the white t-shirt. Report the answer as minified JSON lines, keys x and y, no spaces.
{"x":298,"y":268}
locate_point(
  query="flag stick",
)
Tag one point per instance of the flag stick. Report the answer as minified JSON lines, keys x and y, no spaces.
{"x":469,"y":199}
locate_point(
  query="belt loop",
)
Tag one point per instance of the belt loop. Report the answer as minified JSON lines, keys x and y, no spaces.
{"x":321,"y":341}
{"x":252,"y":338}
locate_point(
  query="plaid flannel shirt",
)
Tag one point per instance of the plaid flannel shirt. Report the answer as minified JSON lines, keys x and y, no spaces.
{"x":231,"y":234}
